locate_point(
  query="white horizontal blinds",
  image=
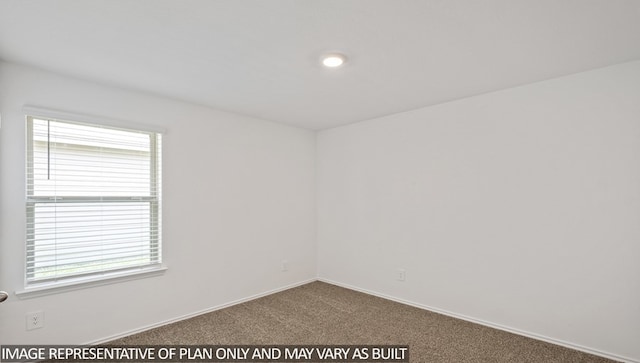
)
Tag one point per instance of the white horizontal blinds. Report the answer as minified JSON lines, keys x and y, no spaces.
{"x":93,"y":199}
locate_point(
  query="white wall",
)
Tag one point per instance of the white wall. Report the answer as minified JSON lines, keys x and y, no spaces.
{"x":238,"y":199}
{"x":520,"y":208}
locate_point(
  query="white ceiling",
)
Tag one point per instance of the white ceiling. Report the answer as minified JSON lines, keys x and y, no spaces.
{"x":261,"y":57}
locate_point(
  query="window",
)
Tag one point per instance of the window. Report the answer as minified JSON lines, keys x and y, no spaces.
{"x":93,"y":200}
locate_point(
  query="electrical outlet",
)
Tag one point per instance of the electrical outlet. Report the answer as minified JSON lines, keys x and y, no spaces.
{"x":35,"y":320}
{"x":285,"y":266}
{"x":401,"y":274}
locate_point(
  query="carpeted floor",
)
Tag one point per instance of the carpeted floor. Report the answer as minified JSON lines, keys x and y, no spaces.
{"x":320,"y":313}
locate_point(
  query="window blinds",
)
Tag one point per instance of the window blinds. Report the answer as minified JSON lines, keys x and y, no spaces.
{"x":93,"y":199}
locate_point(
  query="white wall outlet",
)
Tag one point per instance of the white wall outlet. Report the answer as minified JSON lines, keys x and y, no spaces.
{"x":35,"y":320}
{"x":401,"y":274}
{"x":285,"y":266}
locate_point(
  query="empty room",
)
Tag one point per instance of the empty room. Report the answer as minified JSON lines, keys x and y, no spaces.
{"x":320,"y":180}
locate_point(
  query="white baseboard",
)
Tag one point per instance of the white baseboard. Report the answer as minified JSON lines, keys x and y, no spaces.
{"x":487,"y":323}
{"x":200,"y":312}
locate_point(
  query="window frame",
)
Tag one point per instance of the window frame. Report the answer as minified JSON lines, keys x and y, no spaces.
{"x":154,"y":267}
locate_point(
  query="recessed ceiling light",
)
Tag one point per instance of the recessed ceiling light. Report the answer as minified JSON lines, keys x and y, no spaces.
{"x":333,"y":60}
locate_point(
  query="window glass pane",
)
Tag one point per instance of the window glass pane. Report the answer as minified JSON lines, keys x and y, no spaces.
{"x":79,"y":238}
{"x":73,"y":160}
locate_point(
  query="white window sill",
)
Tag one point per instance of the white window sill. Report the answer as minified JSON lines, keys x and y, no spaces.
{"x":43,"y":289}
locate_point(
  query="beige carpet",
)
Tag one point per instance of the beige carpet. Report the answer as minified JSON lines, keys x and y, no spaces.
{"x":320,"y":313}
